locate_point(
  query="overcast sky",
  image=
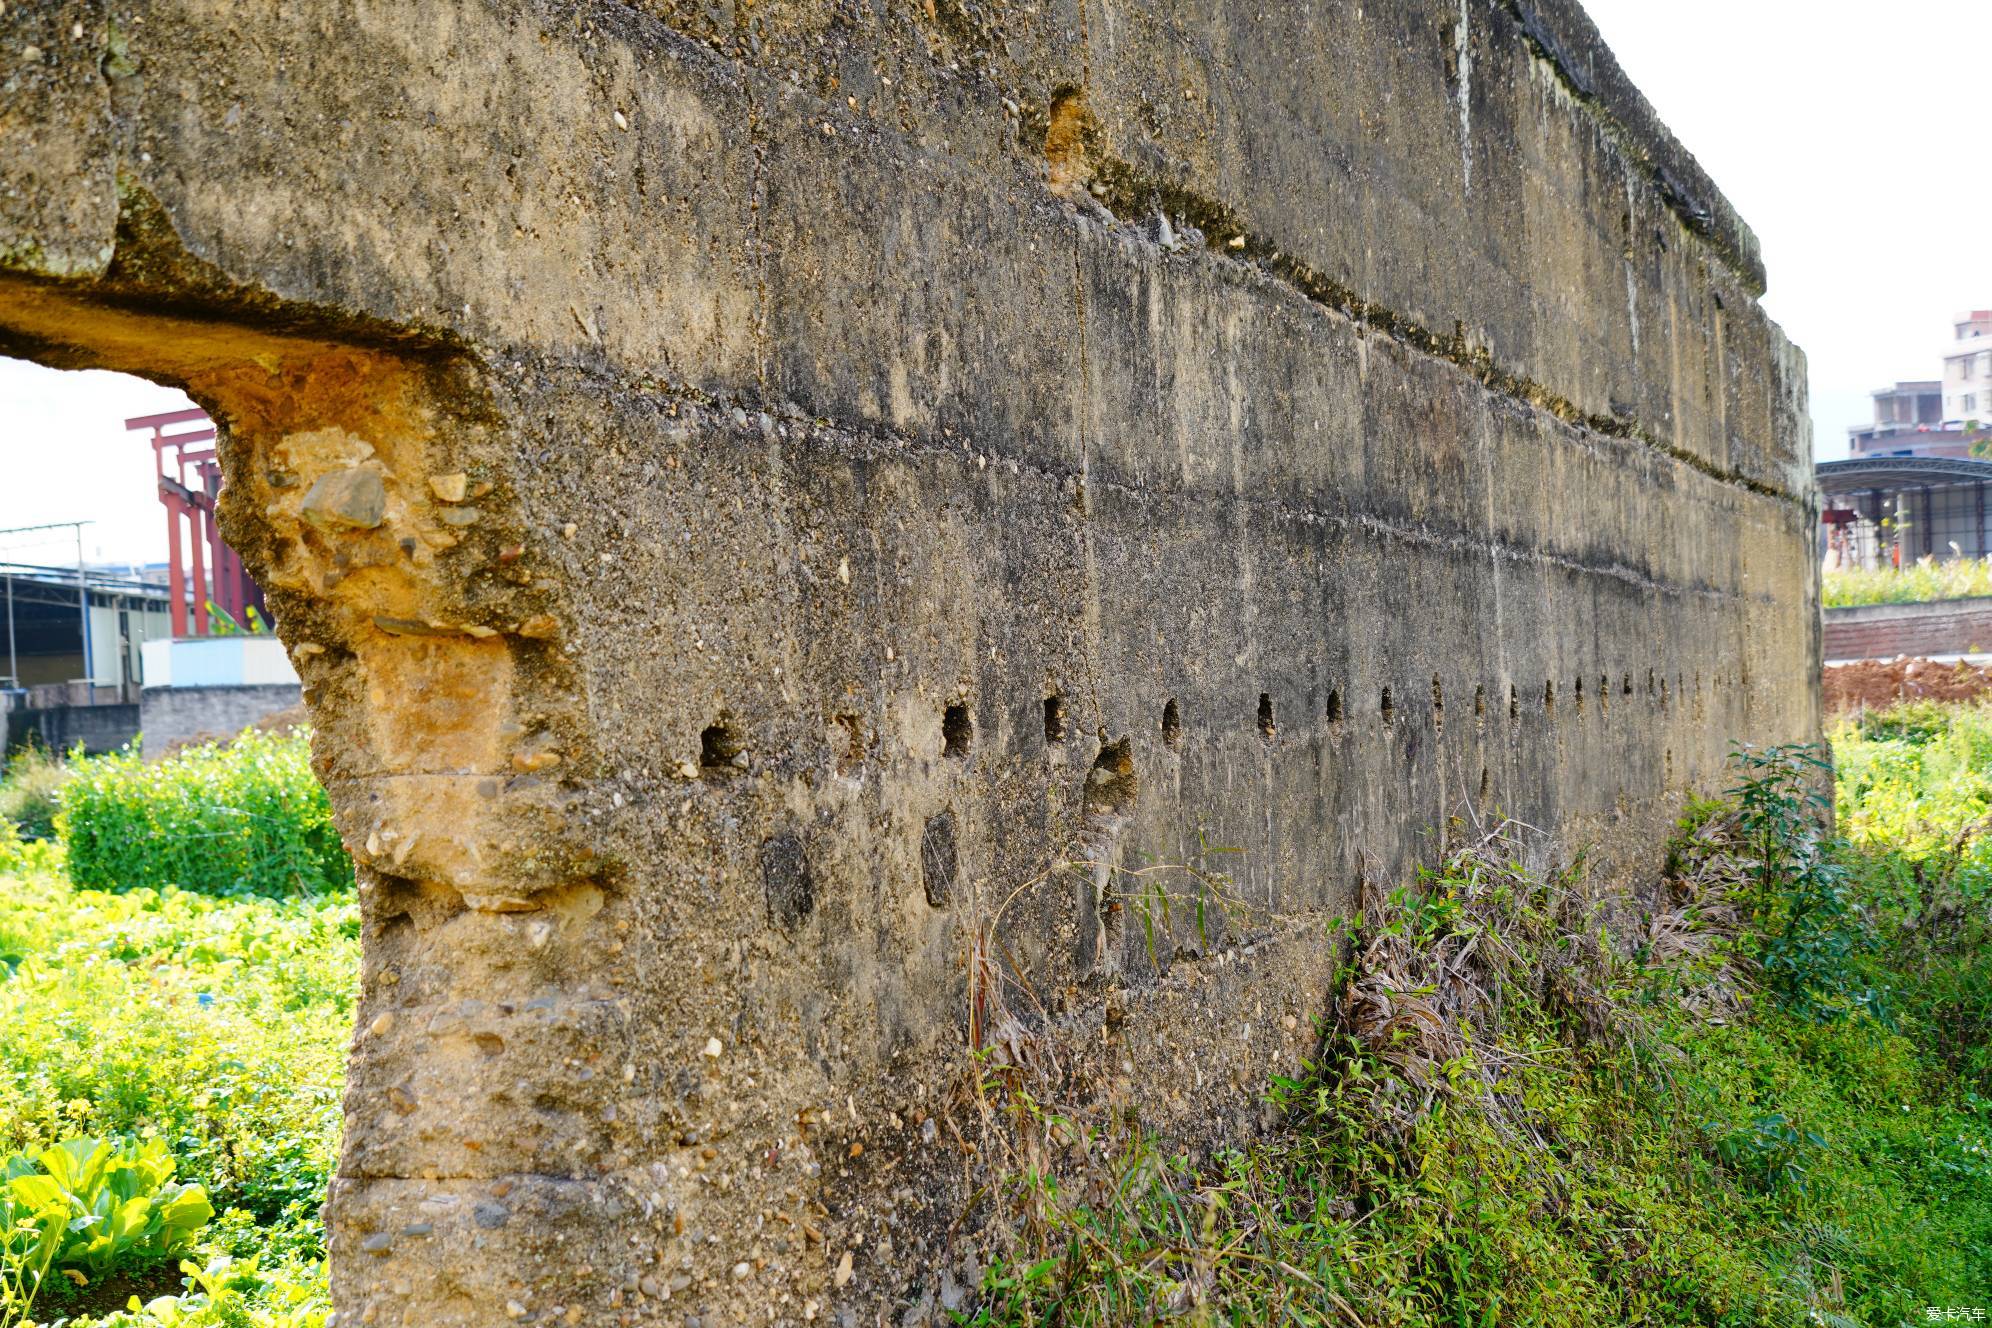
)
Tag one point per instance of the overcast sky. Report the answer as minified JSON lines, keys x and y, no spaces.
{"x":67,"y":458}
{"x":1849,"y":138}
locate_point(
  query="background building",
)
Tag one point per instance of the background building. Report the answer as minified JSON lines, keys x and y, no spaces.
{"x":1911,"y":486}
{"x":95,"y":654}
{"x":1908,"y":421}
{"x":1891,"y":510}
{"x":1968,"y":369}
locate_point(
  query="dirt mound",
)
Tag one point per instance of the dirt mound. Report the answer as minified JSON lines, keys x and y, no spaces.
{"x":1873,"y":684}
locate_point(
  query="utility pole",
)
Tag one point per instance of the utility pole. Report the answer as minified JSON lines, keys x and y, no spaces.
{"x":83,"y":614}
{"x":13,"y":664}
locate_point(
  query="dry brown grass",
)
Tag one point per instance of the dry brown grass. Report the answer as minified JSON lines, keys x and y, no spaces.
{"x":1434,"y":971}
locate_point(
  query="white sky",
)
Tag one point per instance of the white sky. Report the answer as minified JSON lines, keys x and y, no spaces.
{"x":1849,"y":138}
{"x":65,"y":456}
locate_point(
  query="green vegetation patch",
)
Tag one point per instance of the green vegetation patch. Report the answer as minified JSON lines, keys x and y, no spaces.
{"x":1925,"y":579}
{"x":1765,"y":1099}
{"x":210,"y":1031}
{"x":245,"y":817}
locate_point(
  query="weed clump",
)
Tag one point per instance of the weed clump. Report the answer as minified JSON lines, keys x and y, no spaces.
{"x":31,"y":791}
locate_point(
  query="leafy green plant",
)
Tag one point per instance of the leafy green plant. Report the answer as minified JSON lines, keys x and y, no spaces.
{"x":1810,"y":930}
{"x":1770,"y":1152}
{"x":117,"y":1199}
{"x":226,"y":1292}
{"x":90,"y":1204}
{"x":30,"y":1238}
{"x":247,"y":817}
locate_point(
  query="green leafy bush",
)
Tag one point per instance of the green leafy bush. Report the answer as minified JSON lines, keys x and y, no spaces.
{"x":1771,"y":1152}
{"x":247,"y":817}
{"x":90,"y":1204}
{"x":31,"y":791}
{"x":1809,"y":929}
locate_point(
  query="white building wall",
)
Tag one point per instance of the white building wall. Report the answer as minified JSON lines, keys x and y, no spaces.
{"x":1968,"y":371}
{"x":111,"y":663}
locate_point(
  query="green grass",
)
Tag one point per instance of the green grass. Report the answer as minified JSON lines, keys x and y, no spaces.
{"x":1774,"y":1109}
{"x":1924,"y":579}
{"x":215,"y":1025}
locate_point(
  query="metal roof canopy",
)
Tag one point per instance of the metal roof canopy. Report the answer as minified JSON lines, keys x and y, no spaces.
{"x":1859,"y":474}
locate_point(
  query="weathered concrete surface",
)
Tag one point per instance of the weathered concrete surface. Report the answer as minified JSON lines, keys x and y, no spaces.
{"x":807,"y":470}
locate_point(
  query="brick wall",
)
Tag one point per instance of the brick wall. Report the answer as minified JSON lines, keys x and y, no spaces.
{"x":1883,"y":631}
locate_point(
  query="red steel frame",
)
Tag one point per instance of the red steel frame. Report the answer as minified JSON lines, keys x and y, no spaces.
{"x":189,"y":482}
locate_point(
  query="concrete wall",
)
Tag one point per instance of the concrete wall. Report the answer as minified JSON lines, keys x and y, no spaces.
{"x":753,"y":492}
{"x":172,"y":716}
{"x":1883,"y":631}
{"x":99,"y":728}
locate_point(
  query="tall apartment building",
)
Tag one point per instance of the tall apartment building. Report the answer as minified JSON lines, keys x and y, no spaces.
{"x":1968,"y":369}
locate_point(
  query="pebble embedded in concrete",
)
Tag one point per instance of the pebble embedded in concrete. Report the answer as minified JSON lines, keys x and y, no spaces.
{"x":351,"y":499}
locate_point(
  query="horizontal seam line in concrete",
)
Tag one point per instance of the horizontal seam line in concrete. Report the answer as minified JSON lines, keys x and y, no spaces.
{"x":1321,"y":290}
{"x":1479,"y":365}
{"x":886,"y":440}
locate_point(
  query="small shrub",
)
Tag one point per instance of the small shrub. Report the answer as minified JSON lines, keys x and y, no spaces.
{"x":1811,"y":932}
{"x":1770,"y":1153}
{"x":245,"y":818}
{"x":31,"y":791}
